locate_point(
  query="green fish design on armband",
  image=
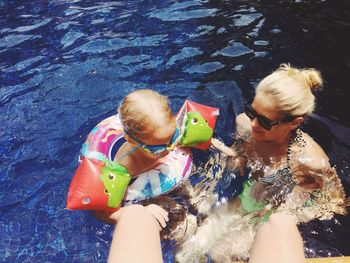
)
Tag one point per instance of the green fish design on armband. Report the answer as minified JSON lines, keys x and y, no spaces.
{"x":115,"y":178}
{"x":195,"y":130}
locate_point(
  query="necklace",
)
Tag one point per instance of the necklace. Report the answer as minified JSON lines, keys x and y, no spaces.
{"x":289,"y":151}
{"x":282,"y":182}
{"x":297,"y":138}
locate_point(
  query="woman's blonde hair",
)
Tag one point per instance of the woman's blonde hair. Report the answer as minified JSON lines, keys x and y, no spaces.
{"x":290,"y":89}
{"x":142,"y":111}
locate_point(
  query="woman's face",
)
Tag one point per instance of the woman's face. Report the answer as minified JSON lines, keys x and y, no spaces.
{"x":265,"y":106}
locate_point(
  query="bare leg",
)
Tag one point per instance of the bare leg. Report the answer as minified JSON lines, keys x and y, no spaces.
{"x":277,"y":241}
{"x":136,"y":237}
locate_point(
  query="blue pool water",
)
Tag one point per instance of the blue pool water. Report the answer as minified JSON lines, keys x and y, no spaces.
{"x":65,"y":65}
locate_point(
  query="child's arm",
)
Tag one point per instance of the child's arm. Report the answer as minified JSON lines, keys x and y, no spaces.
{"x":219,"y":145}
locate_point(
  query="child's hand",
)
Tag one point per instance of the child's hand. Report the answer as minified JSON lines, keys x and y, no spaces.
{"x":219,"y":145}
{"x":116,"y":215}
{"x":159,"y":213}
{"x":156,"y":211}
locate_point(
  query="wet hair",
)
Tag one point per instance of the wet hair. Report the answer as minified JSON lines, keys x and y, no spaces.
{"x":290,"y":89}
{"x":142,"y":111}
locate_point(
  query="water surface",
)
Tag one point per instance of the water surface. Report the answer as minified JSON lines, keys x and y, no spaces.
{"x":65,"y":65}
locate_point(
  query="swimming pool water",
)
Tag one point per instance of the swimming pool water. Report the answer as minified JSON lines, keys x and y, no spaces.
{"x":65,"y":65}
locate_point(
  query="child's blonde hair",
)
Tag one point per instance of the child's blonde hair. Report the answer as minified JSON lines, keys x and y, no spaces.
{"x":142,"y":111}
{"x":290,"y":89}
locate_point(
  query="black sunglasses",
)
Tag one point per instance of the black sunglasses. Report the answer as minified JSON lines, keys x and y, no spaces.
{"x":263,"y":121}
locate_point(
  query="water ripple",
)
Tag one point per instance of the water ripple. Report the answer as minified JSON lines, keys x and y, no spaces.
{"x":14,"y":40}
{"x":102,"y":46}
{"x":234,"y":49}
{"x":66,"y":65}
{"x":205,"y":68}
{"x":69,"y":38}
{"x":12,"y":92}
{"x":23,"y":64}
{"x":186,"y":52}
{"x":39,"y":24}
{"x":176,"y":12}
{"x":246,"y":19}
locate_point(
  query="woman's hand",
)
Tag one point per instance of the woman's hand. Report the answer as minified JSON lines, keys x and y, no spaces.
{"x":309,"y":180}
{"x":260,"y":191}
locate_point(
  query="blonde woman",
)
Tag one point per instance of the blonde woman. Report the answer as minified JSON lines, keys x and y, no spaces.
{"x":289,"y":171}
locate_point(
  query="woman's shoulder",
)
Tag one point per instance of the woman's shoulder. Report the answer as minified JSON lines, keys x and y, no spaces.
{"x":311,"y":163}
{"x":310,"y":155}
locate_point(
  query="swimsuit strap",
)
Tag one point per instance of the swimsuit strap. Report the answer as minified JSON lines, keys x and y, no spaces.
{"x":296,"y":136}
{"x":129,"y":152}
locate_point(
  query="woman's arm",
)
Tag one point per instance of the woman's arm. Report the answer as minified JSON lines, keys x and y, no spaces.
{"x":237,"y":155}
{"x":243,"y":127}
{"x":310,"y":164}
{"x":243,"y":124}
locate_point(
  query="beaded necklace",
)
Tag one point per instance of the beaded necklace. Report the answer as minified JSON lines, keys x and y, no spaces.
{"x":297,"y":137}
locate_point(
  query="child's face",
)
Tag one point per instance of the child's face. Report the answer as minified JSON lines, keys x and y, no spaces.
{"x":163,"y":138}
{"x":162,"y":134}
